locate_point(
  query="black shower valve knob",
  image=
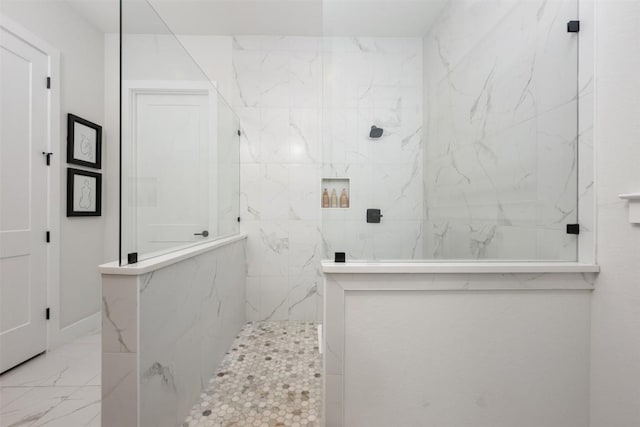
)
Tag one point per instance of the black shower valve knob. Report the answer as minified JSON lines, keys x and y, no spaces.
{"x":373,"y":216}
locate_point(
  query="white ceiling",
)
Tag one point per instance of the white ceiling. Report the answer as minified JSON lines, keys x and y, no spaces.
{"x":384,"y":18}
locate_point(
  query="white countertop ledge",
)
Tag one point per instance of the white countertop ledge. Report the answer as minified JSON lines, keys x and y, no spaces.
{"x":168,"y":259}
{"x":635,"y":197}
{"x":392,"y":267}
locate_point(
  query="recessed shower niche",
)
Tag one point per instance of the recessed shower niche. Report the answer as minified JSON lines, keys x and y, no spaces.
{"x":336,"y":193}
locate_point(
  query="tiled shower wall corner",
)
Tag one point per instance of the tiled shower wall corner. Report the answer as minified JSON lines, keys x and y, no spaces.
{"x":292,"y":130}
{"x":279,"y":98}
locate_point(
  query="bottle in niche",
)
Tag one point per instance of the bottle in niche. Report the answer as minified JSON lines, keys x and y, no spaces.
{"x":344,"y":199}
{"x":325,"y":199}
{"x":334,"y":199}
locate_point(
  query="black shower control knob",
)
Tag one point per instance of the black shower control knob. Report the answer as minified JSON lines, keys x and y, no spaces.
{"x":373,"y":216}
{"x":375,"y":132}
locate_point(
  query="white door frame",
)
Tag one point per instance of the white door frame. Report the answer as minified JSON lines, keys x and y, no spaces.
{"x":130,"y":89}
{"x":54,"y":336}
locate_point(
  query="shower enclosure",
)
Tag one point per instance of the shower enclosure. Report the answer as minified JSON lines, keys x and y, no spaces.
{"x":479,"y":155}
{"x":179,"y":165}
{"x":482,"y":183}
{"x":390,"y":131}
{"x":457,"y":130}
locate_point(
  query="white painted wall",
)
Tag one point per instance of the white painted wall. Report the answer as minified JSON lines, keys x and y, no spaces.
{"x":512,"y":359}
{"x":81,"y":83}
{"x":615,"y":349}
{"x":454,"y":350}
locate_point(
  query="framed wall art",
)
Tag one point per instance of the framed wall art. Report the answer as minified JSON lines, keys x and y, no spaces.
{"x":84,"y":142}
{"x":84,"y":193}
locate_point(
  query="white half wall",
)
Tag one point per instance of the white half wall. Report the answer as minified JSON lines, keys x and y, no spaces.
{"x":81,"y":89}
{"x":456,"y":350}
{"x":166,"y":331}
{"x":466,"y":359}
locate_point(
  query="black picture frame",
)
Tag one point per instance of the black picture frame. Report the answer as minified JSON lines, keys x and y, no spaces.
{"x":85,"y":200}
{"x":88,"y":151}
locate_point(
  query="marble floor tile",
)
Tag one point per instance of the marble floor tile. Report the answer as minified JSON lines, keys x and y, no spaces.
{"x":73,"y":364}
{"x":58,"y":388}
{"x":271,"y":376}
{"x":95,"y":422}
{"x":34,"y":405}
{"x":82,"y":406}
{"x":9,"y":394}
{"x":97,"y":380}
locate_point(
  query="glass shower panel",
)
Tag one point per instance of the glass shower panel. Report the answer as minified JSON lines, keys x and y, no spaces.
{"x":478,"y":154}
{"x":227,"y":179}
{"x":179,"y":165}
{"x":501,"y":142}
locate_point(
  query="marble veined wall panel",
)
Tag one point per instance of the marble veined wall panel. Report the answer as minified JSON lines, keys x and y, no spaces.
{"x":502,"y":118}
{"x":165,"y":333}
{"x":306,"y":105}
{"x":190,"y":313}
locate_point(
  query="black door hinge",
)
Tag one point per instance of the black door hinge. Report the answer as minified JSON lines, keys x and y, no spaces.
{"x":47,"y":313}
{"x":48,"y":82}
{"x":239,"y":132}
{"x":573,"y":26}
{"x":573,"y":228}
{"x":47,"y":237}
{"x":47,"y":157}
{"x":132,"y":258}
{"x":238,"y":219}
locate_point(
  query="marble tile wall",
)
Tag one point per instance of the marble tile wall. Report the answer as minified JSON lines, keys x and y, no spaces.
{"x":190,"y":314}
{"x":166,"y":332}
{"x":306,"y":105}
{"x":374,"y":81}
{"x":501,"y":113}
{"x":278,"y":98}
{"x":119,"y":351}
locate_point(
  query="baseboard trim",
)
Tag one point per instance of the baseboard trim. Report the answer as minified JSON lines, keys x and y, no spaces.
{"x":76,"y":330}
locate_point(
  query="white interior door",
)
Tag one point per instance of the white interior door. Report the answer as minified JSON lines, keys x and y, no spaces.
{"x":23,"y":200}
{"x":172,"y":144}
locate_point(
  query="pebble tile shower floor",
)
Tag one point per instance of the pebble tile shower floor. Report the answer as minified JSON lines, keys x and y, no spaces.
{"x":271,"y":376}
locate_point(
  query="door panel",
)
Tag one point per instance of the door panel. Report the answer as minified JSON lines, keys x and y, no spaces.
{"x":172,"y":147}
{"x":23,"y":196}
